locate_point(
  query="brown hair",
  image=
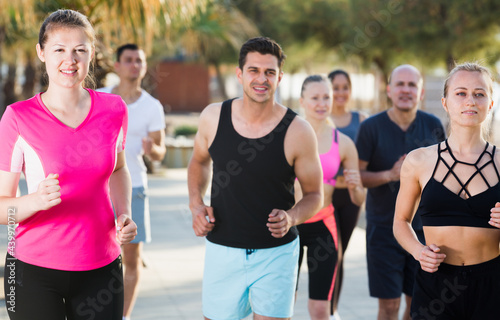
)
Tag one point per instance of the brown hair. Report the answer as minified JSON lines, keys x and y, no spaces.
{"x":338,"y":72}
{"x":262,"y":45}
{"x":128,"y":46}
{"x":68,"y":19}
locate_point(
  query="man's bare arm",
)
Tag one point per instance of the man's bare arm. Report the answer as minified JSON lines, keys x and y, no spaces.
{"x":303,"y":147}
{"x":199,"y":171}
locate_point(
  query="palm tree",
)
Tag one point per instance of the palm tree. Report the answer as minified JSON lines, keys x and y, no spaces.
{"x":14,"y":25}
{"x":115,"y":22}
{"x":215,"y":34}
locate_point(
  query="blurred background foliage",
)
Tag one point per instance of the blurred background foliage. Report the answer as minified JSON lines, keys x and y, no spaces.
{"x":372,"y":35}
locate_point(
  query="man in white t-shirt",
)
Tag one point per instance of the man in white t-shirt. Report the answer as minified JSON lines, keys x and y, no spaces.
{"x":145,"y":136}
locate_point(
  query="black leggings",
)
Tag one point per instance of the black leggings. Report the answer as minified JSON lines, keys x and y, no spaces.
{"x":33,"y":292}
{"x":321,"y":258}
{"x":346,"y":216}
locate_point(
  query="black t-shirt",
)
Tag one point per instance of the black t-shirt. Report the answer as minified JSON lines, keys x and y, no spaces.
{"x":381,"y":142}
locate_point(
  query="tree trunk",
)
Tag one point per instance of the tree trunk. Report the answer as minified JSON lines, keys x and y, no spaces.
{"x":450,"y":59}
{"x":450,"y":62}
{"x":10,"y":85}
{"x":99,"y":74}
{"x":30,"y":79}
{"x":383,"y":79}
{"x":220,"y":81}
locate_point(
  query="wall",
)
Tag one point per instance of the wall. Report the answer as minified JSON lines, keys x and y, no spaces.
{"x":182,"y":87}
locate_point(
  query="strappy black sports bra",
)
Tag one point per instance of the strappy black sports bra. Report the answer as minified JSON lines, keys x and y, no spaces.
{"x":439,"y":206}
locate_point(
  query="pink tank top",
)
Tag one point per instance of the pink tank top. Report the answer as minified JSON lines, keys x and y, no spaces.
{"x":330,"y":161}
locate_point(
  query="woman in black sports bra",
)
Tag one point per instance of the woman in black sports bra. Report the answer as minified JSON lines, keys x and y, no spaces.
{"x":457,"y":182}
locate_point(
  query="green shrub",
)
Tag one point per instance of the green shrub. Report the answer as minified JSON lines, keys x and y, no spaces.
{"x":185,"y":130}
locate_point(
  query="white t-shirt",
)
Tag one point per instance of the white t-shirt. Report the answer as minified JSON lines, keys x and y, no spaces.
{"x":144,"y":115}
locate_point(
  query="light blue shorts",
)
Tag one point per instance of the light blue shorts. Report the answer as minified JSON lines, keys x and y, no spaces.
{"x":140,"y":215}
{"x":239,"y":281}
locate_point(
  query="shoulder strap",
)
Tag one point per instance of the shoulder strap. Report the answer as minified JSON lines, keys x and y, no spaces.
{"x":225,"y":112}
{"x":226,"y":105}
{"x":289,"y":116}
{"x":439,"y":150}
{"x":493,"y":160}
{"x":283,"y":125}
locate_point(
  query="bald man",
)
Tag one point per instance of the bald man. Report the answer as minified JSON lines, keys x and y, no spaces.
{"x":383,"y":142}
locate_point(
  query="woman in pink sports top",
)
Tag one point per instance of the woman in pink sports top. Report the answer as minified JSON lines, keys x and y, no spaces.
{"x":335,"y":149}
{"x":63,"y":258}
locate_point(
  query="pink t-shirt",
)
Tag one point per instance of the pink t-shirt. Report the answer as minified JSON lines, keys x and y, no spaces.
{"x":80,"y":232}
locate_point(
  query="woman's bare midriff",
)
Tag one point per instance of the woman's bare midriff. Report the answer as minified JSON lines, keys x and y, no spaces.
{"x":464,"y":245}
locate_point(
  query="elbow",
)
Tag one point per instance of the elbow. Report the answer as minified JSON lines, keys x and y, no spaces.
{"x":319,"y":198}
{"x":314,"y":199}
{"x":396,"y":229}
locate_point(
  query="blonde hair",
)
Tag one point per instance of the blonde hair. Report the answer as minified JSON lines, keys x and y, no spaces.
{"x":310,"y":79}
{"x":469,"y":67}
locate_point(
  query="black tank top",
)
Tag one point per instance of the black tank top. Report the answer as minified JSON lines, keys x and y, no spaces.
{"x":251,"y":177}
{"x":439,"y":206}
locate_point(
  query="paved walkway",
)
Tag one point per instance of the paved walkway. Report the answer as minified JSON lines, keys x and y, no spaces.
{"x":171,"y":285}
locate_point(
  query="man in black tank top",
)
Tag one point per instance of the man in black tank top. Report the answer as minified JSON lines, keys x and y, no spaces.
{"x":258,"y":147}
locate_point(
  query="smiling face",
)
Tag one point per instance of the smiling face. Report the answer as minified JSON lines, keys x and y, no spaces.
{"x":468,"y":99}
{"x":341,"y":90}
{"x":405,"y":89}
{"x":316,"y":100}
{"x":259,"y":77}
{"x":67,"y":54}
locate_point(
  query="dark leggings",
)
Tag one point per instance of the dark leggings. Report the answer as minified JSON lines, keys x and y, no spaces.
{"x":33,"y":292}
{"x":321,"y":258}
{"x":346,"y":216}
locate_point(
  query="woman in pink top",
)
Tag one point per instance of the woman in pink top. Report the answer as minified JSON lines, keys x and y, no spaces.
{"x":319,"y":234}
{"x":347,"y":121}
{"x":63,"y":258}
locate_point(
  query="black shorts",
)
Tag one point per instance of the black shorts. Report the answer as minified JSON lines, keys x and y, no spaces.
{"x":322,"y":257}
{"x":458,"y":292}
{"x":391,"y":270}
{"x":33,"y":292}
